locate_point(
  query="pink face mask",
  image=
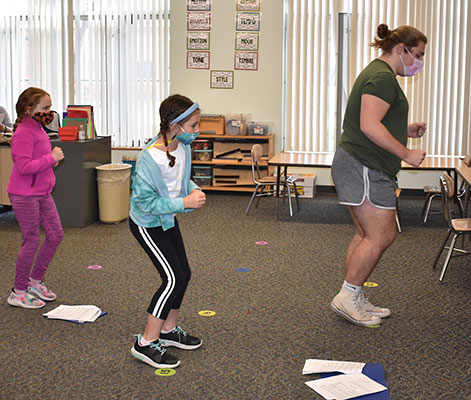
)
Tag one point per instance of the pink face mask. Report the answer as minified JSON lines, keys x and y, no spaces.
{"x":410,"y":70}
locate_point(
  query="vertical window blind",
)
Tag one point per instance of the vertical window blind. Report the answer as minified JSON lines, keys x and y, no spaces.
{"x":440,"y":95}
{"x":112,"y":54}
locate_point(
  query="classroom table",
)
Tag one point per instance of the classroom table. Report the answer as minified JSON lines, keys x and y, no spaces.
{"x":465,"y":172}
{"x":324,"y":160}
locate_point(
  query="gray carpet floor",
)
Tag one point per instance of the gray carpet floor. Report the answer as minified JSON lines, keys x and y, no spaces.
{"x":268,"y":320}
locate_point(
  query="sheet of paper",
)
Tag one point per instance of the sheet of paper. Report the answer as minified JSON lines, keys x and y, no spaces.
{"x":314,"y":366}
{"x":343,"y":387}
{"x":87,"y":313}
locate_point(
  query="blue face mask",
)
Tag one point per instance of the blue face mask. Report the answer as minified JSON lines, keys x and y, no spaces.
{"x":185,"y":137}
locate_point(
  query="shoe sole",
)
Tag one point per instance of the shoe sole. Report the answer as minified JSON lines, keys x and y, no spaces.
{"x":147,"y":360}
{"x":15,"y":304}
{"x":349,"y":318}
{"x":380,"y":315}
{"x":171,"y":343}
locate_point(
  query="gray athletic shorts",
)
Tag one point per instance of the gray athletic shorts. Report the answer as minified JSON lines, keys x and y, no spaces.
{"x":354,"y":182}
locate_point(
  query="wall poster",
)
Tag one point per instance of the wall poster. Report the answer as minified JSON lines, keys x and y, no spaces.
{"x":197,"y":59}
{"x":197,"y":40}
{"x":247,"y":41}
{"x":222,"y":79}
{"x":248,"y":5}
{"x":198,"y":5}
{"x":248,"y":21}
{"x":247,"y":61}
{"x":198,"y":21}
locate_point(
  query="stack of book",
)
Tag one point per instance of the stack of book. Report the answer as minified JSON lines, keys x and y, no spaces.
{"x":81,"y":116}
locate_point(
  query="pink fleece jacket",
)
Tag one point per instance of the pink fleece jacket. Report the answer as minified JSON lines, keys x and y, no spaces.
{"x":32,"y":172}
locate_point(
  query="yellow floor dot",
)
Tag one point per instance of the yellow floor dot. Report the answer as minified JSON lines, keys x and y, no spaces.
{"x":206,"y":313}
{"x":165,"y":372}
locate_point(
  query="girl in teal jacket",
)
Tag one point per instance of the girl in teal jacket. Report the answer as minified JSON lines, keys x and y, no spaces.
{"x":161,"y":189}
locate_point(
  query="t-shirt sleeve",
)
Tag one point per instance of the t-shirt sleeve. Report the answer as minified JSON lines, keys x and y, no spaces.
{"x":382,"y":85}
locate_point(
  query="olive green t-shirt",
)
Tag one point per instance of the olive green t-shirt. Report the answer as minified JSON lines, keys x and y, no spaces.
{"x":377,"y":79}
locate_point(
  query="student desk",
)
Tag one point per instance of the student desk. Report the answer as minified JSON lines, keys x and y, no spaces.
{"x":324,"y":160}
{"x":465,"y":173}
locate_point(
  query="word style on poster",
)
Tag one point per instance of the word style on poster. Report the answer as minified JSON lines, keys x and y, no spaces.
{"x":247,"y":41}
{"x":198,"y":21}
{"x":222,"y":79}
{"x":248,"y":5}
{"x":248,"y":21}
{"x":198,"y":5}
{"x":197,"y":41}
{"x":197,"y":60}
{"x":247,"y":61}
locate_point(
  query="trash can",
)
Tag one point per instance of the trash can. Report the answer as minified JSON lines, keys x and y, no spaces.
{"x":113,"y":192}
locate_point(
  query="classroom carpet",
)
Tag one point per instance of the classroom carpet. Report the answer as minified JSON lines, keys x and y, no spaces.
{"x":269,"y":283}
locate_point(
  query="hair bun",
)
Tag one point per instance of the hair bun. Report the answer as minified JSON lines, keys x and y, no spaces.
{"x":383,"y":31}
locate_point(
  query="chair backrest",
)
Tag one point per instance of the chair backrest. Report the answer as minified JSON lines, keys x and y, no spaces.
{"x":256,"y":153}
{"x":447,"y":186}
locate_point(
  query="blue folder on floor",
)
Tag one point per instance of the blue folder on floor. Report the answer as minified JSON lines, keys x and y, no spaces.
{"x":374,"y":371}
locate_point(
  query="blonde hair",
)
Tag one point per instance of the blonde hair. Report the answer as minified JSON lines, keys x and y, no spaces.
{"x":28,"y":99}
{"x":387,"y":39}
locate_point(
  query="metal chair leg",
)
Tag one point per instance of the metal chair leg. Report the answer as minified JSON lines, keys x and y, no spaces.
{"x":252,"y":199}
{"x":448,"y":256}
{"x":441,"y":249}
{"x":297,"y":195}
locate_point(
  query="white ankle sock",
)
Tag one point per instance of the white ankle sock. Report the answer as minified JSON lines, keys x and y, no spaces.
{"x":162,"y":331}
{"x":144,"y":342}
{"x":352,"y":288}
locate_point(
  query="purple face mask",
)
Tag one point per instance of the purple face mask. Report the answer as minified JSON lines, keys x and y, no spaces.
{"x":410,"y":70}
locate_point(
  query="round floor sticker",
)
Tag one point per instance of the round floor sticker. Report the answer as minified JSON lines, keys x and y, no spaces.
{"x":242,"y":270}
{"x":94,"y":267}
{"x":206,"y":313}
{"x":372,"y":326}
{"x":165,"y":372}
{"x":370,"y":284}
{"x":261,"y":243}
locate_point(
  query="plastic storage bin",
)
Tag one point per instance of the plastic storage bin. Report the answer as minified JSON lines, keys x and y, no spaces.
{"x":113,"y":192}
{"x":260,"y":128}
{"x":203,"y":155}
{"x":202,"y":180}
{"x":202,"y":170}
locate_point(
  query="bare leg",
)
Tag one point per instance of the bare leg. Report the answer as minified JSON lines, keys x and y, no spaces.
{"x":155,"y":325}
{"x":375,"y":231}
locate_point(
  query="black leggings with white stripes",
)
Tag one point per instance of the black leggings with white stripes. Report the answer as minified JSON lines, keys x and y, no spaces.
{"x":167,"y":252}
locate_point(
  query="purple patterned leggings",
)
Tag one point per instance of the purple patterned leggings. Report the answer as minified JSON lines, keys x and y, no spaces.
{"x":32,"y":212}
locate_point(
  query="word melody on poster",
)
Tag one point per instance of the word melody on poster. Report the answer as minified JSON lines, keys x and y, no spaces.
{"x":198,"y":5}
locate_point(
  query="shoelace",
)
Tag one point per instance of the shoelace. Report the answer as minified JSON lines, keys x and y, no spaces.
{"x":180,"y":331}
{"x":157,"y":346}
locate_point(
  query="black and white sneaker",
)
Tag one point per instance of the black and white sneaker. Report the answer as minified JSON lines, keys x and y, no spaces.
{"x":179,"y":338}
{"x":154,"y":354}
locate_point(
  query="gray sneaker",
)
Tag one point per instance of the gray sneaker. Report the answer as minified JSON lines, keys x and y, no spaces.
{"x":372,"y":309}
{"x":352,"y":308}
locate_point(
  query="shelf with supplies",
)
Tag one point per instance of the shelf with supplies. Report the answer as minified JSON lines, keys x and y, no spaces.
{"x":223,"y":162}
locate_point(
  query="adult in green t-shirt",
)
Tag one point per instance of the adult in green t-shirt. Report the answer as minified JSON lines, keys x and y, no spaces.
{"x":373,"y":143}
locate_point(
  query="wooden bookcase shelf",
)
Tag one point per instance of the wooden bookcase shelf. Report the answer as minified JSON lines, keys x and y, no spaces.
{"x":238,"y":170}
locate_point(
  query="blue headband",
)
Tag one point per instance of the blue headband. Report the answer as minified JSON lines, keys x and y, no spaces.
{"x":186,"y":113}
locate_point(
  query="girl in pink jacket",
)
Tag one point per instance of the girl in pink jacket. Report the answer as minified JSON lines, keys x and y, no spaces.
{"x":31,"y":182}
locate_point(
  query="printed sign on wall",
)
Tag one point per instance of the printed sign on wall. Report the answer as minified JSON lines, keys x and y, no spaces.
{"x":198,"y":5}
{"x":197,"y":40}
{"x":198,"y":21}
{"x":248,"y":5}
{"x":246,"y":60}
{"x":222,"y":79}
{"x":248,"y":21}
{"x":247,"y":41}
{"x":197,"y":59}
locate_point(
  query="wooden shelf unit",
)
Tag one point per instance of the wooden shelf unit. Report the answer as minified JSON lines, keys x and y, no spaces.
{"x":267,"y":142}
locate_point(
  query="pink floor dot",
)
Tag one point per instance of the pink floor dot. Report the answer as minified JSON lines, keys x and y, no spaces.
{"x":94,"y":267}
{"x":261,"y":243}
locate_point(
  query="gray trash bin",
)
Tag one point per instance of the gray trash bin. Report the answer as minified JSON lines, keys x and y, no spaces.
{"x":113,"y":192}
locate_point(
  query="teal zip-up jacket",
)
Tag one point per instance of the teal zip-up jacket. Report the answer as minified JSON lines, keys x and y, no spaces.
{"x":150,"y":202}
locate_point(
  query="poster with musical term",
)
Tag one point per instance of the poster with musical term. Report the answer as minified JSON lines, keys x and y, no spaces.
{"x":246,"y":61}
{"x":246,"y":41}
{"x":248,"y":5}
{"x":222,"y":79}
{"x":198,"y":5}
{"x":197,"y":40}
{"x":197,"y":59}
{"x":198,"y":21}
{"x":248,"y":21}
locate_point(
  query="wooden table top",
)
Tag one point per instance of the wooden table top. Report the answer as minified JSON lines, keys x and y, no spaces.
{"x":465,"y":172}
{"x":324,"y":160}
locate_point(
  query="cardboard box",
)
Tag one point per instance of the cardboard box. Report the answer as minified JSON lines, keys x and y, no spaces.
{"x":306,"y":185}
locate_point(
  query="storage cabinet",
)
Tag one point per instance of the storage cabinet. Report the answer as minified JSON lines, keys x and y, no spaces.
{"x":226,"y":161}
{"x":6,"y":164}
